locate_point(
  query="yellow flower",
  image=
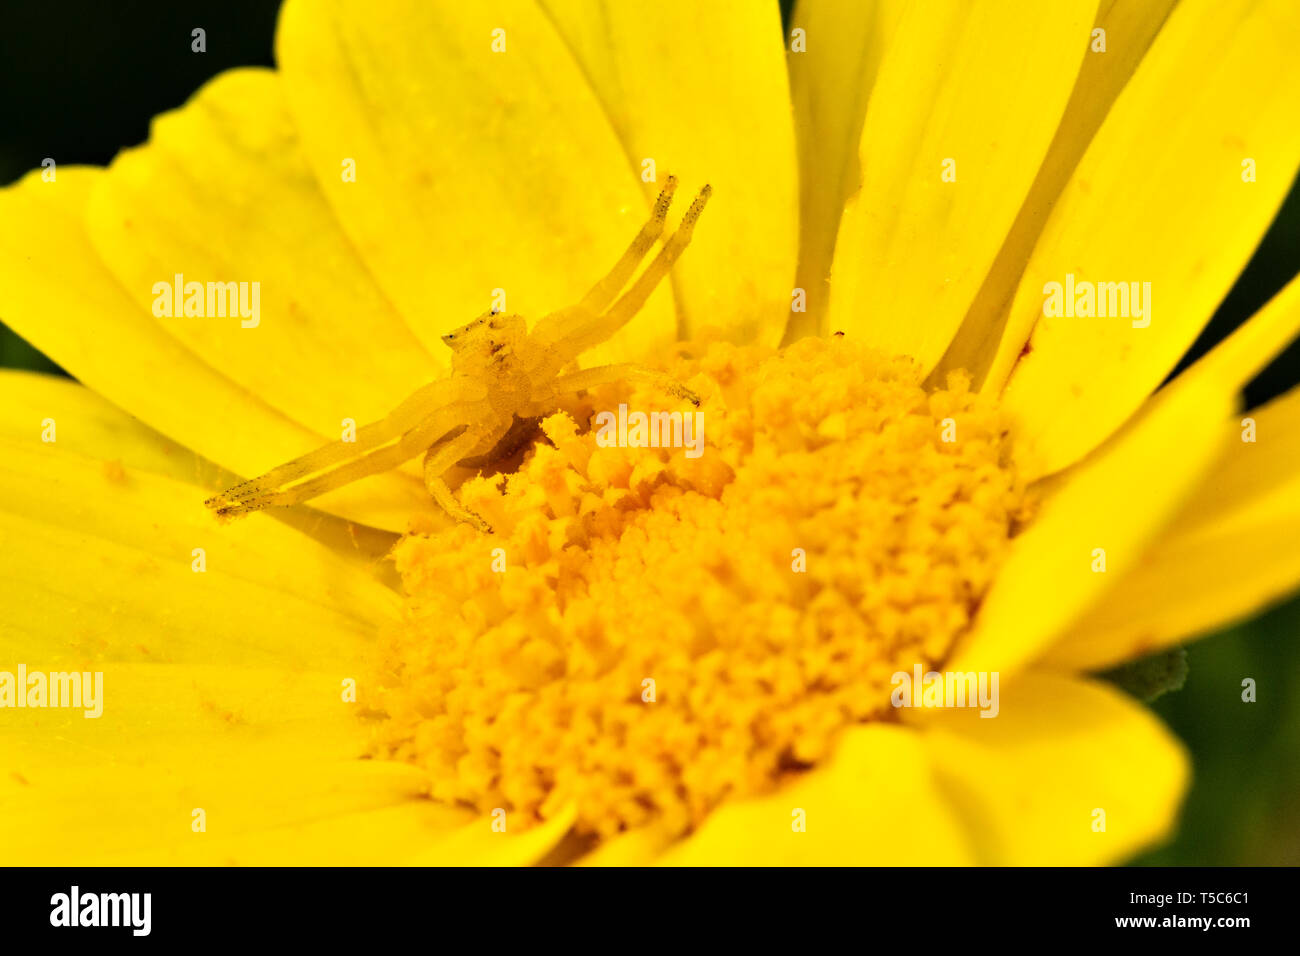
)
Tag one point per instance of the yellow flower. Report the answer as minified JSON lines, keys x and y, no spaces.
{"x":408,"y":162}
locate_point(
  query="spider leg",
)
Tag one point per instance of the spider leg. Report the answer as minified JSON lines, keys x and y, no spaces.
{"x":417,"y":422}
{"x":603,"y":292}
{"x":230,"y":501}
{"x":603,"y":374}
{"x":439,"y":459}
{"x":597,"y":329}
{"x":373,"y":463}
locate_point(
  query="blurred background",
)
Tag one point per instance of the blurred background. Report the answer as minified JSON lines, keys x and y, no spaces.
{"x":80,"y":80}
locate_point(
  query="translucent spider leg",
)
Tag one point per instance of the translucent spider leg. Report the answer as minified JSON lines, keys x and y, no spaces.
{"x":372,"y":464}
{"x":594,"y":329}
{"x":232,"y":502}
{"x":442,"y":457}
{"x":430,"y":413}
{"x":604,"y":291}
{"x":632,"y":300}
{"x":603,"y":374}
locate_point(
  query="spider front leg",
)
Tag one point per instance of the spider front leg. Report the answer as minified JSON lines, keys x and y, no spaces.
{"x":571,"y":331}
{"x":335,"y":458}
{"x":630,"y":303}
{"x":266,"y":492}
{"x":428,"y":414}
{"x":603,"y":292}
{"x":443,"y":456}
{"x":604,"y":374}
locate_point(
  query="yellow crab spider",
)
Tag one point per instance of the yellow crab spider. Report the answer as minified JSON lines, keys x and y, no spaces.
{"x":503,"y":378}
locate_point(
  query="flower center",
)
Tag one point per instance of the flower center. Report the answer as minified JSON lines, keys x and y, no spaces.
{"x":652,"y":630}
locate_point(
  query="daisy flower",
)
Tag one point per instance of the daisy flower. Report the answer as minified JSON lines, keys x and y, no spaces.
{"x":937,"y":438}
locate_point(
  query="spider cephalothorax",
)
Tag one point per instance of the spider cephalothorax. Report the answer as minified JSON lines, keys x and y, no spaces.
{"x":482,"y":342}
{"x":501,"y":374}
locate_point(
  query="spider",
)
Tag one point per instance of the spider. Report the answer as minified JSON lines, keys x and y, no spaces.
{"x":503,"y":379}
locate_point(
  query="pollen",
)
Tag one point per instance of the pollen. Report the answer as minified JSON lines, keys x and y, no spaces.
{"x":648,"y":634}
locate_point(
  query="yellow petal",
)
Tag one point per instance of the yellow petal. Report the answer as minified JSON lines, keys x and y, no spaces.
{"x":1230,"y":552}
{"x":830,"y":83}
{"x":634,"y":848}
{"x":1232,"y":363}
{"x":991,"y":82}
{"x":476,"y":171}
{"x":269,"y":755}
{"x":221,"y":194}
{"x":1102,"y":514}
{"x":55,"y":292}
{"x":1158,"y":198}
{"x":874,"y":804}
{"x":387,"y":836}
{"x":478,"y":844}
{"x":1129,"y":30}
{"x":1030,"y":781}
{"x":102,"y":567}
{"x":111,"y":441}
{"x":82,"y":422}
{"x":222,"y":689}
{"x":1230,"y":549}
{"x":700,"y":89}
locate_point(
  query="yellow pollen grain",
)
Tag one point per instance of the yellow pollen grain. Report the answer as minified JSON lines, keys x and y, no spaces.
{"x":826,"y":538}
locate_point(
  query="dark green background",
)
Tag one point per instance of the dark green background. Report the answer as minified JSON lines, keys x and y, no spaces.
{"x":80,"y":81}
